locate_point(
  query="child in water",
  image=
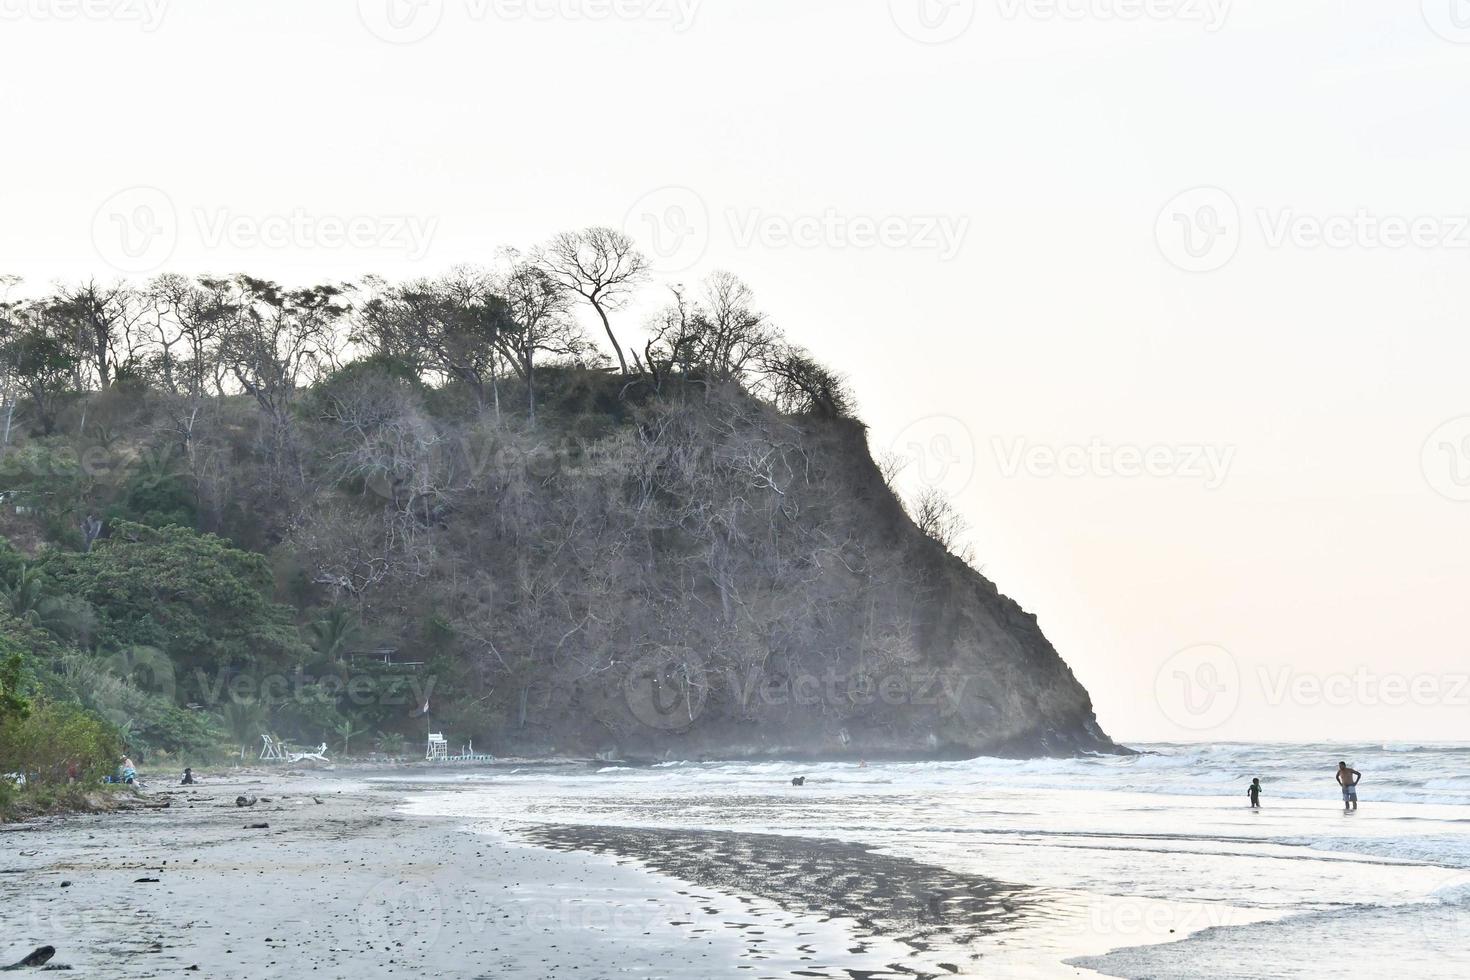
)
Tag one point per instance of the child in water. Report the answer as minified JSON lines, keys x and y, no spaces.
{"x":1254,"y":792}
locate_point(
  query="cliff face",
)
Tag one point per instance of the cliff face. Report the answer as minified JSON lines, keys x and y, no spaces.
{"x":642,"y":571}
{"x":764,"y":594}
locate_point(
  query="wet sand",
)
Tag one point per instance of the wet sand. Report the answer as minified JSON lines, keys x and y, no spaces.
{"x":922,"y":907}
{"x":342,"y":884}
{"x":338,"y":885}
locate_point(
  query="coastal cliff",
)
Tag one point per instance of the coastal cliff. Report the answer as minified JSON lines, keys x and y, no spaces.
{"x":356,"y":514}
{"x":782,"y":603}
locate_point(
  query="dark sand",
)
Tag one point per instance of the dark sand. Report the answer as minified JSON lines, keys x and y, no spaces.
{"x":921,"y":906}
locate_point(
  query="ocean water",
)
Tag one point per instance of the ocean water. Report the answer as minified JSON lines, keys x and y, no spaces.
{"x":1142,"y":866}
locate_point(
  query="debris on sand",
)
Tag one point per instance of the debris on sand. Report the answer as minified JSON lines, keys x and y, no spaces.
{"x":39,"y":957}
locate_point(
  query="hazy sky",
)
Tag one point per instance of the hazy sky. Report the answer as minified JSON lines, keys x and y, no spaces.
{"x":1171,"y":295}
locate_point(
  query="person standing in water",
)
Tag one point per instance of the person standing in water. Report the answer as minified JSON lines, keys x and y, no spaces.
{"x":1348,"y":779}
{"x":1254,"y":792}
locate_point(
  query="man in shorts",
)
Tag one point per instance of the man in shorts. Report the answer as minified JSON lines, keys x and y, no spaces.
{"x":1348,"y":780}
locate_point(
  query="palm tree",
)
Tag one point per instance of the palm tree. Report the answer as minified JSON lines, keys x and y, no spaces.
{"x":246,"y":720}
{"x":348,"y":731}
{"x":23,"y":595}
{"x":331,"y":636}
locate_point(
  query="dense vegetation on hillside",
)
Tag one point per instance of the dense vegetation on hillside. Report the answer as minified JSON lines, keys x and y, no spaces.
{"x":231,"y":507}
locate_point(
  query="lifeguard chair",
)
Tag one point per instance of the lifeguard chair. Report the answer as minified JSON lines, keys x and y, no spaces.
{"x":273,"y":750}
{"x":438,"y":747}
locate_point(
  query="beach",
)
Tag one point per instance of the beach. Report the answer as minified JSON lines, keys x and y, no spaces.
{"x":341,"y":884}
{"x":338,"y":885}
{"x":983,"y":868}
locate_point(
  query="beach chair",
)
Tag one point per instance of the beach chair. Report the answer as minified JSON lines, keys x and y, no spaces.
{"x":273,"y":750}
{"x":438,"y":746}
{"x":320,"y":755}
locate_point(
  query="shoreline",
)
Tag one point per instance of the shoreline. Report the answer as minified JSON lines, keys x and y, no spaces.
{"x":342,"y":883}
{"x":374,"y":871}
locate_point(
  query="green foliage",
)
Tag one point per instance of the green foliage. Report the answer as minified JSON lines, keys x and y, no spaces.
{"x":391,"y":743}
{"x":22,"y":594}
{"x":332,"y":635}
{"x":13,"y":704}
{"x":246,"y":720}
{"x":311,"y":711}
{"x":53,"y":738}
{"x":202,"y":602}
{"x":347,"y":731}
{"x":49,"y":482}
{"x":157,"y":495}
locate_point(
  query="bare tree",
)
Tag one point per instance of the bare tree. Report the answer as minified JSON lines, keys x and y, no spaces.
{"x":539,"y":321}
{"x":797,"y":384}
{"x":451,"y":326}
{"x":933,"y":514}
{"x":675,"y":339}
{"x":601,"y":265}
{"x":273,"y":345}
{"x":103,"y":322}
{"x":195,"y":313}
{"x":737,"y":335}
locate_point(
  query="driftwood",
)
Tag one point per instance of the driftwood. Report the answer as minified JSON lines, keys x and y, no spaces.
{"x":40,"y":957}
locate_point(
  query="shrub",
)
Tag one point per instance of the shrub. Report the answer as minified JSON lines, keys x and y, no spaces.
{"x":53,"y":738}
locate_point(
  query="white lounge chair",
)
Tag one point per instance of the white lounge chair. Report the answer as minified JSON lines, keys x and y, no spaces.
{"x":320,"y":755}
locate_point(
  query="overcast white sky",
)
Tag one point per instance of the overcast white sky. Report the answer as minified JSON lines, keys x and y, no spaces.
{"x":1051,"y":243}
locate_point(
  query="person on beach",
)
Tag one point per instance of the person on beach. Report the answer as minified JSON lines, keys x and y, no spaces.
{"x":1254,"y":792}
{"x":1348,"y":780}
